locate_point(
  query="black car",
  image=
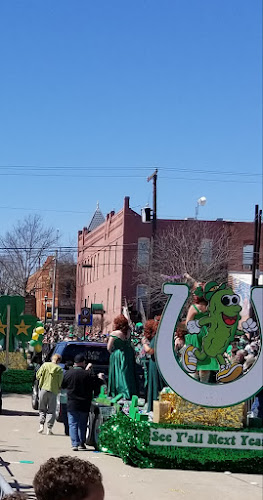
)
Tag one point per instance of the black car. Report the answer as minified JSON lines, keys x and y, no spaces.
{"x":94,"y":352}
{"x":97,"y":354}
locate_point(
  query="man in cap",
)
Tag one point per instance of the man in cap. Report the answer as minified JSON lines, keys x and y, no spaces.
{"x":80,"y":385}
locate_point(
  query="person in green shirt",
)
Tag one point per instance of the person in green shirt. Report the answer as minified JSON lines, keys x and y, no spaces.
{"x":50,"y":376}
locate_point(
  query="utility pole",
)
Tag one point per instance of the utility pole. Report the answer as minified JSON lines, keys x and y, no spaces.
{"x":256,"y":248}
{"x":54,"y":287}
{"x":153,"y":177}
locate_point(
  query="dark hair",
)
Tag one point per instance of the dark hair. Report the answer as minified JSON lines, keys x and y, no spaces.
{"x":15,"y":496}
{"x":181,"y":330}
{"x":199,"y":300}
{"x":66,"y":478}
{"x":150,"y":329}
{"x":79,"y":358}
{"x":68,"y":364}
{"x":121,"y":323}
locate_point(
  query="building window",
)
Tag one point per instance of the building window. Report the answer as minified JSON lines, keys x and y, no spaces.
{"x":94,"y":298}
{"x":104,"y":262}
{"x":85,"y":273}
{"x":91,"y":269}
{"x":88,"y":272}
{"x":143,"y":258}
{"x":94,"y":268}
{"x":108,"y":300}
{"x":142,"y":297}
{"x":115,"y":258}
{"x":248,"y":251}
{"x":98,"y":263}
{"x":114,"y":299}
{"x":109,"y":254}
{"x":206,"y":251}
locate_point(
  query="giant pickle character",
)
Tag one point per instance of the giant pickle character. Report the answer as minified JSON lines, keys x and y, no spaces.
{"x":221,"y":325}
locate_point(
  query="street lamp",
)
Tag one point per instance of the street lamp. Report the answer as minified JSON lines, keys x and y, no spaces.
{"x":45,"y":298}
{"x":200,"y":203}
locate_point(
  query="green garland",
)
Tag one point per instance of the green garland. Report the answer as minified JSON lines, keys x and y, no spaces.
{"x":129,"y":440}
{"x":18,"y":381}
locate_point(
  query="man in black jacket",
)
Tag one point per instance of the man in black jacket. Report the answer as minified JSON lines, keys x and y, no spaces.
{"x":81,"y":386}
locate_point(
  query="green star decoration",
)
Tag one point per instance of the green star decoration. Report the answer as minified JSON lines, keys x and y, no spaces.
{"x":21,"y":325}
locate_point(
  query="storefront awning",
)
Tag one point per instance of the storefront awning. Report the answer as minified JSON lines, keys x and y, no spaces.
{"x":97,"y":309}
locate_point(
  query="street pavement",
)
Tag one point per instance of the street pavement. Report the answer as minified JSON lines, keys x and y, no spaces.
{"x":20,"y":441}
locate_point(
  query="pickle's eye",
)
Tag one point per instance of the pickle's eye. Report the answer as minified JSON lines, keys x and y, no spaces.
{"x":225,"y":300}
{"x":235,"y":299}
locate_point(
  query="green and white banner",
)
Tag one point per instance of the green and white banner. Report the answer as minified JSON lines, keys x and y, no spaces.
{"x":207,"y":439}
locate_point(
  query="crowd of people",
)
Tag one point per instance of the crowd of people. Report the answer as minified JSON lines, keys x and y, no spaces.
{"x":65,"y":332}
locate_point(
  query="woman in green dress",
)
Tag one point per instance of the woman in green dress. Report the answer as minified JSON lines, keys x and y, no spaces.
{"x":122,"y":360}
{"x":155,"y":381}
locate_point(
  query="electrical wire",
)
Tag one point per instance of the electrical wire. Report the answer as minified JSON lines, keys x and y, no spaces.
{"x":138,"y":167}
{"x":122,"y":176}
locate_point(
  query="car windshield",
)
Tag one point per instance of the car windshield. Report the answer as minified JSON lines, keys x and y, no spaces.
{"x":97,"y":355}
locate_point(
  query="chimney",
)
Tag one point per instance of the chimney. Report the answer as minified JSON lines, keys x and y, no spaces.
{"x":126,"y":203}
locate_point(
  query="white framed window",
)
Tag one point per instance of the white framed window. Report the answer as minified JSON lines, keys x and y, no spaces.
{"x":206,"y":251}
{"x":248,"y":251}
{"x":143,"y":256}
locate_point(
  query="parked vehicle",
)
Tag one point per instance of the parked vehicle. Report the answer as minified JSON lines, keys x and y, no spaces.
{"x":97,"y":354}
{"x":94,"y":352}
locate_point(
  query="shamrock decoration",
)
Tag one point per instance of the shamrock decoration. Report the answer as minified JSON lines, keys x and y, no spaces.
{"x":21,"y":325}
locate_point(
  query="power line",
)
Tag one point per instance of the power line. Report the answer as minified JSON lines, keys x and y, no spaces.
{"x":122,"y":176}
{"x":138,"y":167}
{"x":161,"y":217}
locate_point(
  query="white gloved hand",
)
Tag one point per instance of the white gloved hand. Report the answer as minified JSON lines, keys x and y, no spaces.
{"x":249,"y":326}
{"x":193,"y":326}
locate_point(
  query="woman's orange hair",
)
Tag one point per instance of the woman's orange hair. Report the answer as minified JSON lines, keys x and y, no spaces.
{"x":121,"y":323}
{"x":150,"y":328}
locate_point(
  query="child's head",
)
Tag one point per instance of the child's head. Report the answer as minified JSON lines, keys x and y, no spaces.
{"x":68,"y":478}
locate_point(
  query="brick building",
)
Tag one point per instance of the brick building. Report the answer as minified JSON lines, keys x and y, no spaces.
{"x":40,"y":285}
{"x":109,"y":249}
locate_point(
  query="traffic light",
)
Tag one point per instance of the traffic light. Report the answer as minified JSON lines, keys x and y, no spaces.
{"x":146,"y":214}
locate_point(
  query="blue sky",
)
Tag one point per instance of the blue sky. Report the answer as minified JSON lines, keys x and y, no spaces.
{"x":96,"y":94}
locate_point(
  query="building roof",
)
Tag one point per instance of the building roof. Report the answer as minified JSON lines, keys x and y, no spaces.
{"x":97,"y":219}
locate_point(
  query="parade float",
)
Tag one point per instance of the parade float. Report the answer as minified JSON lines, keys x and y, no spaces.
{"x":196,"y":425}
{"x":16,"y":331}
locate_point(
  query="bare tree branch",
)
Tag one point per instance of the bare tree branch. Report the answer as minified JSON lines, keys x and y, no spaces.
{"x":23,"y":251}
{"x":190,"y":251}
